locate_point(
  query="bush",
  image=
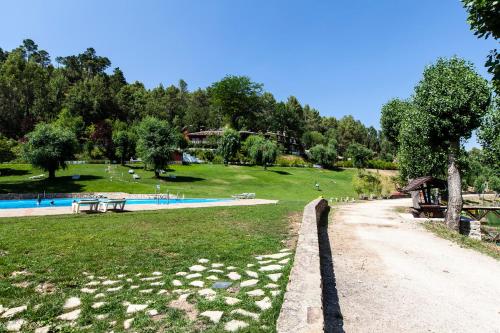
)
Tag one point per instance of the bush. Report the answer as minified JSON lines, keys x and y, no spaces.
{"x":367,"y":183}
{"x":323,"y":155}
{"x":381,"y":165}
{"x":218,"y":160}
{"x":291,"y":161}
{"x":344,"y":164}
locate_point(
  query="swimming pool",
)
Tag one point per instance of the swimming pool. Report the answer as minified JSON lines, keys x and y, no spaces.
{"x":66,"y":202}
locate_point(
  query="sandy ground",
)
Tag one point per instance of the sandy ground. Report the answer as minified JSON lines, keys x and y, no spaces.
{"x":67,"y":210}
{"x":394,"y":276}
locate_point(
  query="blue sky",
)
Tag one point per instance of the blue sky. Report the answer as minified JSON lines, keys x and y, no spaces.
{"x":341,"y":57}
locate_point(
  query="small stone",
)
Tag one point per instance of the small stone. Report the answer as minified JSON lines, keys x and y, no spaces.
{"x":221,"y":285}
{"x":100,"y":295}
{"x":19,"y":273}
{"x":121,"y":276}
{"x":112,"y":323}
{"x":231,"y":300}
{"x":158,"y":283}
{"x":146,"y":291}
{"x":2,"y":309}
{"x":208,"y":293}
{"x":231,"y":268}
{"x":133,"y":308}
{"x":138,"y":274}
{"x":249,"y":283}
{"x":127,"y":323}
{"x":215,"y":271}
{"x":44,"y":329}
{"x":93,"y":283}
{"x":134,"y":287}
{"x":250,"y":265}
{"x":275,"y":292}
{"x":72,"y":302}
{"x":245,"y":313}
{"x":274,"y":277}
{"x":181,"y":273}
{"x":285,"y":250}
{"x":102,"y":277}
{"x":203,"y":261}
{"x":88,"y":290}
{"x":23,"y":284}
{"x":15,"y":325}
{"x":13,"y":311}
{"x":115,"y":288}
{"x":110,"y":282}
{"x":152,"y":278}
{"x":264,"y":262}
{"x":45,"y":288}
{"x":256,"y":293}
{"x":152,"y":312}
{"x":156,"y":273}
{"x":176,"y":283}
{"x":193,"y":276}
{"x":162,"y":291}
{"x":270,"y":268}
{"x":180,"y":291}
{"x":252,"y":274}
{"x":129,"y":280}
{"x":197,"y":268}
{"x":214,"y":316}
{"x":271,"y":286}
{"x":197,"y":283}
{"x":264,"y":304}
{"x":234,"y":276}
{"x":217,"y":265}
{"x":212,"y":277}
{"x":98,"y":305}
{"x":70,"y":316}
{"x":275,"y":256}
{"x":102,"y":316}
{"x":284,"y":261}
{"x":235,"y":325}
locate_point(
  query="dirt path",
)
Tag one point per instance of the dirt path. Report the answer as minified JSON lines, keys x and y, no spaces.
{"x":394,"y":276}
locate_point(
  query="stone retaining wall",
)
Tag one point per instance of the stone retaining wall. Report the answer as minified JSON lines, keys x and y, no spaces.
{"x":302,"y":309}
{"x":470,"y":228}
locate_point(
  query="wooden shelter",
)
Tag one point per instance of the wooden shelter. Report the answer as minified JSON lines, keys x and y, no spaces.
{"x":424,"y":202}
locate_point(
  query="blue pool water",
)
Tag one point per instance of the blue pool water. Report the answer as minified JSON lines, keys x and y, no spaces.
{"x":66,"y":202}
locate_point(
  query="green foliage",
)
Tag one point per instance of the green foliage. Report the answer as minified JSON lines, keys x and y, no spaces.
{"x":229,"y":144}
{"x":489,"y":136}
{"x":367,"y":183}
{"x":312,"y":138}
{"x":454,"y":98}
{"x":156,"y":142}
{"x":480,"y":183}
{"x":359,"y":155}
{"x":291,"y":161}
{"x":71,"y":122}
{"x":484,"y":20}
{"x":7,"y":149}
{"x":49,"y":146}
{"x":218,"y":159}
{"x":124,"y":142}
{"x":324,"y":155}
{"x":261,"y":151}
{"x":391,"y":117}
{"x":237,"y":98}
{"x":494,"y":184}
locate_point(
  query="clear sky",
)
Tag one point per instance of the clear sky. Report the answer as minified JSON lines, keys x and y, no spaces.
{"x":340,"y":57}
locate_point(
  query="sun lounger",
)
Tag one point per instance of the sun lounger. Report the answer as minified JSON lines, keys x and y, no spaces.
{"x":37,"y":176}
{"x":75,"y":177}
{"x":93,"y":205}
{"x":136,"y":176}
{"x":115,"y":204}
{"x":244,"y":196}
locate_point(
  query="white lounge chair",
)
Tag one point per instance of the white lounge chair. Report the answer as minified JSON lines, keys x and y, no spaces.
{"x":244,"y":196}
{"x":115,"y":204}
{"x":92,"y":203}
{"x":136,"y":176}
{"x":37,"y":176}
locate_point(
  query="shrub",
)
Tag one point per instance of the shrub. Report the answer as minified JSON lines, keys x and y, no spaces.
{"x":323,"y":155}
{"x":218,"y":160}
{"x":291,"y":161}
{"x":367,"y":183}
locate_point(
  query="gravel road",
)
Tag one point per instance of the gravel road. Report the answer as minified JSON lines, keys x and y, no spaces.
{"x":394,"y":276}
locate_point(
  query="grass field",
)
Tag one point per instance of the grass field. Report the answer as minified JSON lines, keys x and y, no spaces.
{"x":57,"y":251}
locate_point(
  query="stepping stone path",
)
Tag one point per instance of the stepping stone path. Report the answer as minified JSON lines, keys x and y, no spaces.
{"x":258,"y":280}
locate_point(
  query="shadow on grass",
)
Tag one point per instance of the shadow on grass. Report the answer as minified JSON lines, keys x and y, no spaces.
{"x":13,"y":172}
{"x":181,"y":179}
{"x":62,"y":184}
{"x":280,"y":172}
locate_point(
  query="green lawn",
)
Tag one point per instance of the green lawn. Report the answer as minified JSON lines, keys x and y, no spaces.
{"x":59,"y":249}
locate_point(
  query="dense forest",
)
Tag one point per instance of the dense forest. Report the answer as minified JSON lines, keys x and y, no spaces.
{"x":84,"y":94}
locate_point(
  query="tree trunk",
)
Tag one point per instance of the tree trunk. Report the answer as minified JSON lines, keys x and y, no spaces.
{"x":157,"y":173}
{"x":455,"y":201}
{"x":414,"y":199}
{"x":52,"y":173}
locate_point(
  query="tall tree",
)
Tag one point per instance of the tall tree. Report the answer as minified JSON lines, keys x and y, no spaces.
{"x":229,"y":144}
{"x":49,"y":146}
{"x":454,"y":98}
{"x":156,"y":142}
{"x":391,"y":118}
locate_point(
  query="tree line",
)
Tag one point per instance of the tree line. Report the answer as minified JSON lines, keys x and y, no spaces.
{"x":83,"y":94}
